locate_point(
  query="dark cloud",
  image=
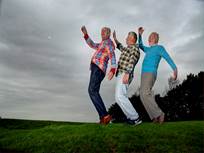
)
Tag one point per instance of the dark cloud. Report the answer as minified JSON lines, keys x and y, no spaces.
{"x":44,"y":61}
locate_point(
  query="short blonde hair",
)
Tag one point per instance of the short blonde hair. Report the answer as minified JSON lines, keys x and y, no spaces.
{"x":156,"y":36}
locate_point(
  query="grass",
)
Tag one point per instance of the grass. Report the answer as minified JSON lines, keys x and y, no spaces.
{"x":64,"y":137}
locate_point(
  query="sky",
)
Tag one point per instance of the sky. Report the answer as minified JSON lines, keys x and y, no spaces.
{"x":44,"y":60}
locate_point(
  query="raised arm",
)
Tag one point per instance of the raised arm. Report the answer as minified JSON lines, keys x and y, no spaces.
{"x":88,"y":39}
{"x":118,"y":44}
{"x":169,"y":60}
{"x":141,"y":45}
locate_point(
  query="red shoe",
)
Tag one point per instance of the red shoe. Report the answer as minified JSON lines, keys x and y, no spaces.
{"x":106,"y":119}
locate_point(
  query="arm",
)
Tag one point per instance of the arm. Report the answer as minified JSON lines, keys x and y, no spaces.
{"x":118,"y":44}
{"x":141,"y":45}
{"x":88,"y":39}
{"x":169,"y":60}
{"x":120,"y":47}
{"x":91,"y":44}
{"x":112,"y":57}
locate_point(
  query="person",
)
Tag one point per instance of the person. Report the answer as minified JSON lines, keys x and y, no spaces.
{"x":99,"y":62}
{"x":125,"y":70}
{"x":153,"y":55}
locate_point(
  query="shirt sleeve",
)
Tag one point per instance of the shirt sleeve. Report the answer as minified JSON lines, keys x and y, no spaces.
{"x":166,"y":56}
{"x":134,"y":57}
{"x":90,"y":42}
{"x":141,"y":45}
{"x":120,"y":47}
{"x":112,"y":57}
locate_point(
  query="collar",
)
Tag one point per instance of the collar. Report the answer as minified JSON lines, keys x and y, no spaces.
{"x":153,"y":45}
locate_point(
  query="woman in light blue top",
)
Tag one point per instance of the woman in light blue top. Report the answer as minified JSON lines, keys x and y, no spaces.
{"x":153,"y":55}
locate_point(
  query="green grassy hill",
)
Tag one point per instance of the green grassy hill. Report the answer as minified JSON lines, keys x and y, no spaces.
{"x":64,"y":137}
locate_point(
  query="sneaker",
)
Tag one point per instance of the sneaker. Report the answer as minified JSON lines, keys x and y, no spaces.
{"x":155,"y":120}
{"x":134,"y":122}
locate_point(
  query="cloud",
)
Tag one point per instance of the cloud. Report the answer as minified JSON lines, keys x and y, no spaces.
{"x":44,"y":61}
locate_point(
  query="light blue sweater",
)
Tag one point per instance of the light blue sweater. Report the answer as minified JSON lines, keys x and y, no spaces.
{"x":153,"y":55}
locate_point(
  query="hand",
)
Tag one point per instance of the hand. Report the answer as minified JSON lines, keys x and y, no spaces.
{"x":126,"y":78}
{"x":110,"y":75}
{"x":114,"y":35}
{"x":175,"y":74}
{"x":140,"y":30}
{"x":83,"y":29}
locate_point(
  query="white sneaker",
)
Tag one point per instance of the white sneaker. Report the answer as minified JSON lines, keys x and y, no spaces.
{"x":138,"y":121}
{"x":134,"y":122}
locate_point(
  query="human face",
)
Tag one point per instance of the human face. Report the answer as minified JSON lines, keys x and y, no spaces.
{"x":152,"y":40}
{"x":130,"y":40}
{"x":104,"y":34}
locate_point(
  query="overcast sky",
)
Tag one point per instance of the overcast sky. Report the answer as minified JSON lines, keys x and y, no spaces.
{"x":44,"y":60}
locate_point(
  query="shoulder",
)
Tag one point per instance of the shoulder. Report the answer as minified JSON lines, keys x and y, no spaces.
{"x":135,"y":49}
{"x":158,"y":48}
{"x":161,"y":47}
{"x":137,"y":46}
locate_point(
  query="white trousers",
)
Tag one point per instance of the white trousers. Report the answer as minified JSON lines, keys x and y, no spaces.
{"x":121,"y":97}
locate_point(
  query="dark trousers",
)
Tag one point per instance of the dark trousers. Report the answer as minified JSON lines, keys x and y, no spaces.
{"x":97,"y":76}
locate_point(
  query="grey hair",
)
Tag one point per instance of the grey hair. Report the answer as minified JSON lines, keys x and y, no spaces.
{"x":108,"y":30}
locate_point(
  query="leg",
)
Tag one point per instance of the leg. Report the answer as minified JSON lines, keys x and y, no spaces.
{"x":96,"y":78}
{"x":121,"y":98}
{"x":147,"y":97}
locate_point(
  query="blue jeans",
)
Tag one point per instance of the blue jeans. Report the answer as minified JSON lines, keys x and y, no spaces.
{"x":97,"y":76}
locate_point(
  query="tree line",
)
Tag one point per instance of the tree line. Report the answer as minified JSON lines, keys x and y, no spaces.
{"x":183,"y":102}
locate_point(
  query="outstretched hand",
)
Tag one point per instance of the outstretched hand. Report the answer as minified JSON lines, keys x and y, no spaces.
{"x":140,"y":30}
{"x":175,"y":74}
{"x":126,"y":78}
{"x":83,"y":29}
